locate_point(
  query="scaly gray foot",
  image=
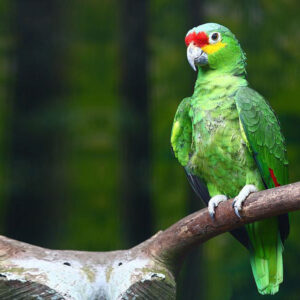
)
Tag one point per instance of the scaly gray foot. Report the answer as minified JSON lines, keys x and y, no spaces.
{"x":242,"y":196}
{"x":214,"y":202}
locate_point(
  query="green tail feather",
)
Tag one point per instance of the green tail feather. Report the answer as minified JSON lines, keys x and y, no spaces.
{"x":266,"y":255}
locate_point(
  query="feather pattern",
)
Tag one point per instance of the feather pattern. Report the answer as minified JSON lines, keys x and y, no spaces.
{"x":265,"y":142}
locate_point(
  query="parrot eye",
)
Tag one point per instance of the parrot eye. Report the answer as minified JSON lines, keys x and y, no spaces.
{"x":214,"y":37}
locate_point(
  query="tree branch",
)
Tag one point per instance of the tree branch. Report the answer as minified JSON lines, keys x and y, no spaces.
{"x":147,"y":270}
{"x":199,"y":227}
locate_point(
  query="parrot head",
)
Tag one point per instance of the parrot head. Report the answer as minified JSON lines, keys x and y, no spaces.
{"x":213,"y":46}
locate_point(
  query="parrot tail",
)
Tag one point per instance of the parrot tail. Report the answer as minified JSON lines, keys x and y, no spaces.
{"x":266,"y":255}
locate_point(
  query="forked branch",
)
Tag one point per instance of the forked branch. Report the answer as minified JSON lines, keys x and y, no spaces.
{"x":146,"y":271}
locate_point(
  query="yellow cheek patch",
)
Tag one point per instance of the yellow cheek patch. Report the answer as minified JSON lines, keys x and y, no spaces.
{"x":209,"y":49}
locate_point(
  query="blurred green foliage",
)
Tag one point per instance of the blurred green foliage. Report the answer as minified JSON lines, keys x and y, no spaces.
{"x":92,"y":120}
{"x":268,"y":32}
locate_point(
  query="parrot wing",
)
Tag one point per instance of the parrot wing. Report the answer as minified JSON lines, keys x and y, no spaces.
{"x":181,"y":135}
{"x":181,"y":141}
{"x":261,"y":130}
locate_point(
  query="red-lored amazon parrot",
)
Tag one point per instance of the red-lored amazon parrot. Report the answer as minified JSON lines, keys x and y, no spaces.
{"x":229,"y":142}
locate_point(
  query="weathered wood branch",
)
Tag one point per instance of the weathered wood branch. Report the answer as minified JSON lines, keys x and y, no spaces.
{"x":146,"y":271}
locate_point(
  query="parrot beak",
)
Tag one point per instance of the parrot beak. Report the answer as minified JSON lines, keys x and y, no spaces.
{"x":196,"y":56}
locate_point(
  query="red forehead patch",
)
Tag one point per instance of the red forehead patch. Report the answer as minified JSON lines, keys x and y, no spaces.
{"x":200,"y":39}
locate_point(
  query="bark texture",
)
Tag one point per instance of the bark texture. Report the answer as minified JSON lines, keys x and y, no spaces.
{"x":146,"y":271}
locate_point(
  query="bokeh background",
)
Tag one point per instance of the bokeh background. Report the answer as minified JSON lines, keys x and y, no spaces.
{"x":88,"y":93}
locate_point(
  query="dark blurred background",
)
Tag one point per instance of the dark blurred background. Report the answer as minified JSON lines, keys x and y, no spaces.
{"x":88,"y":94}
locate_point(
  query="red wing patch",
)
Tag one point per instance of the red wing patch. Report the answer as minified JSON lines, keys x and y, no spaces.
{"x":200,"y":39}
{"x":273,"y":177}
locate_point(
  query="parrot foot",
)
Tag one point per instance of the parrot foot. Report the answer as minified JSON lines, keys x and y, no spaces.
{"x":214,"y":202}
{"x":242,"y":196}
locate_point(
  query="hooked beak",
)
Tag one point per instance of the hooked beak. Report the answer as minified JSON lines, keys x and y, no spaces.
{"x":196,"y":56}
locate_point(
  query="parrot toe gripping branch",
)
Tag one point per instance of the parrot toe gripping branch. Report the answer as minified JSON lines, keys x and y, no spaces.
{"x":242,"y":196}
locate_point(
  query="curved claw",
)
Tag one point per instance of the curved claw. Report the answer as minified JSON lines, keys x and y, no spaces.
{"x":236,"y":210}
{"x":237,"y":206}
{"x":212,"y":215}
{"x":213,"y":203}
{"x":241,"y":197}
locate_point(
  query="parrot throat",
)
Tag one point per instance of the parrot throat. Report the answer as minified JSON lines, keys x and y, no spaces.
{"x":209,"y":81}
{"x":233,"y":74}
{"x":233,"y":71}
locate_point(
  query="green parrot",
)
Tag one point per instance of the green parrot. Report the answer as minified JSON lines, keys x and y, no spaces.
{"x":229,"y":142}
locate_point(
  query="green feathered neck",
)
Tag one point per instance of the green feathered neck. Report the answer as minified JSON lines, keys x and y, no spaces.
{"x":208,"y":80}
